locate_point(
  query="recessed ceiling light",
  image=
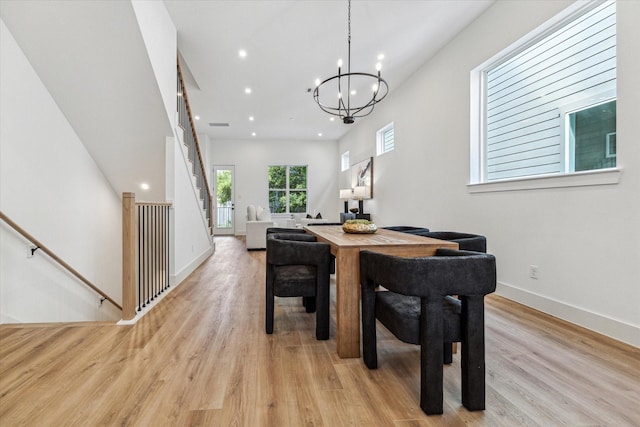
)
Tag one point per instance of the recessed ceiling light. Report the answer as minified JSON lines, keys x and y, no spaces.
{"x":242,"y":53}
{"x":251,"y":118}
{"x":253,"y":134}
{"x":319,"y":133}
{"x":381,"y":57}
{"x":144,"y":186}
{"x":333,"y":119}
{"x":353,"y":92}
{"x":247,"y":90}
{"x":197,"y":117}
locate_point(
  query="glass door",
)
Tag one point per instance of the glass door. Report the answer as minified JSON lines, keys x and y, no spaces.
{"x":224,"y":200}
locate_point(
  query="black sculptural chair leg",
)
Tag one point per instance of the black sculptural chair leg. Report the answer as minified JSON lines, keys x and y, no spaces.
{"x":416,"y":310}
{"x":466,"y":242}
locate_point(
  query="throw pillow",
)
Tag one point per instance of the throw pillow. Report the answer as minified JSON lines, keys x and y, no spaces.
{"x":319,"y":216}
{"x":251,"y":213}
{"x":263,"y":214}
{"x":309,"y":216}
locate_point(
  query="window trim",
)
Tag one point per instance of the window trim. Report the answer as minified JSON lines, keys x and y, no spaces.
{"x":607,"y":176}
{"x":477,"y":127}
{"x":607,"y":149}
{"x":380,"y":139}
{"x":288,"y":189}
{"x":344,"y":161}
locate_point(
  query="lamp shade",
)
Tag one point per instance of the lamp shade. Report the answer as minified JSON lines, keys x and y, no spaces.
{"x":359,"y":192}
{"x":345,"y":193}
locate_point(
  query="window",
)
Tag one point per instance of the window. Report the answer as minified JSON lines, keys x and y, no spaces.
{"x":548,"y":105}
{"x":287,"y":189}
{"x":385,"y":139}
{"x":344,"y":161}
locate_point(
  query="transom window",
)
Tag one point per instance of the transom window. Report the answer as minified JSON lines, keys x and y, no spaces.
{"x":344,"y":161}
{"x":287,"y":189}
{"x":548,"y":105}
{"x":385,"y":139}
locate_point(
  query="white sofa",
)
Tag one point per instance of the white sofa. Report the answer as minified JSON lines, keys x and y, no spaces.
{"x":258,"y":220}
{"x":303,"y":222}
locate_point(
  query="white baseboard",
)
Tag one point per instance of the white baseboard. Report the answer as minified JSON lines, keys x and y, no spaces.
{"x":177,"y":279}
{"x":616,"y":329}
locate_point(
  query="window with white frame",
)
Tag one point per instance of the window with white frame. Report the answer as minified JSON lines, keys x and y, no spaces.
{"x":548,"y":105}
{"x":385,"y":141}
{"x":344,"y":161}
{"x":287,"y":189}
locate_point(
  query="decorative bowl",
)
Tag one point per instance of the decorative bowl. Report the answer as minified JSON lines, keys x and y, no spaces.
{"x":359,"y":226}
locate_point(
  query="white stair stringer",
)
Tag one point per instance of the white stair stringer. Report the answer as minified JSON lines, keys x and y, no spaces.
{"x":194,"y":179}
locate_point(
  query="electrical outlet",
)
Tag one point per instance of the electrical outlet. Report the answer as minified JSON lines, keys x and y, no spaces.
{"x":534,"y":272}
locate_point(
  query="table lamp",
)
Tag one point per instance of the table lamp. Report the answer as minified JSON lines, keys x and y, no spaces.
{"x":359,"y":193}
{"x":345,"y":194}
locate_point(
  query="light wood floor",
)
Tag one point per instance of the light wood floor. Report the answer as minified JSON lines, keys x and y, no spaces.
{"x":202,"y":358}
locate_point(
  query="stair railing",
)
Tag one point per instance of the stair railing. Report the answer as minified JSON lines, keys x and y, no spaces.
{"x":145,"y":253}
{"x":185,"y":121}
{"x":39,"y":246}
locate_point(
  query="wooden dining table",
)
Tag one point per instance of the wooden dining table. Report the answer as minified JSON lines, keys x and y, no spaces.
{"x":346,"y":248}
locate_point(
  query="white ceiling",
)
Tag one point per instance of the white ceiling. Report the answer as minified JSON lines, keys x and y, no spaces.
{"x":91,"y":57}
{"x":291,"y":43}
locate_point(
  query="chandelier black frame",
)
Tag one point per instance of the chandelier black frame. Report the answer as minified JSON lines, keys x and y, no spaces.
{"x":343,"y":109}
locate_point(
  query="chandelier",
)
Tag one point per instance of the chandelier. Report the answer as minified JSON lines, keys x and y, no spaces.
{"x":340,"y":93}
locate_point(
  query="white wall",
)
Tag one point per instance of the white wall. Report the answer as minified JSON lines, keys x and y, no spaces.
{"x":252,"y":158}
{"x":160,"y":38}
{"x":191,"y":241}
{"x":585,"y":240}
{"x":51,"y":187}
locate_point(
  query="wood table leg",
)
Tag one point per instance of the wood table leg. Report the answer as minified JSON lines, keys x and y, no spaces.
{"x":348,"y":302}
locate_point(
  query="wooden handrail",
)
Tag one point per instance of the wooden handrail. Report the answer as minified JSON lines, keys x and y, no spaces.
{"x":195,"y":137}
{"x":153,"y":203}
{"x":56,"y":258}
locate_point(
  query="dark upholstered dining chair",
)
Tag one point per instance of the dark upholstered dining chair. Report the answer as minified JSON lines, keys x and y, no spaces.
{"x":465,"y":241}
{"x":298,"y":266}
{"x":410,"y":229}
{"x":417,"y":308}
{"x":272,"y":230}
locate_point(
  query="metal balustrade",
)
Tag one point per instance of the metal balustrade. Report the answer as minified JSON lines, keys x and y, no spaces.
{"x":153,"y":251}
{"x":185,"y":121}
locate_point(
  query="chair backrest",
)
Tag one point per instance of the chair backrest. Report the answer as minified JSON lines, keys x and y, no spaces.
{"x":465,"y":241}
{"x":297,"y":249}
{"x":410,"y":229}
{"x":448,"y":272}
{"x":271,"y":230}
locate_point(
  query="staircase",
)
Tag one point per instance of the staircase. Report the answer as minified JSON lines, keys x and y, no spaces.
{"x":191,"y":151}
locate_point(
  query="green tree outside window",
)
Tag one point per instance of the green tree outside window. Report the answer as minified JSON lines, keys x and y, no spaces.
{"x":287,"y":189}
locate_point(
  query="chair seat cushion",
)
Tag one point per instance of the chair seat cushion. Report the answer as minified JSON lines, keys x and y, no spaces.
{"x":294,"y":281}
{"x":400,"y":314}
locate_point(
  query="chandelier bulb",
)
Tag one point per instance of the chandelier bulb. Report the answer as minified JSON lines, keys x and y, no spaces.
{"x":379,"y":66}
